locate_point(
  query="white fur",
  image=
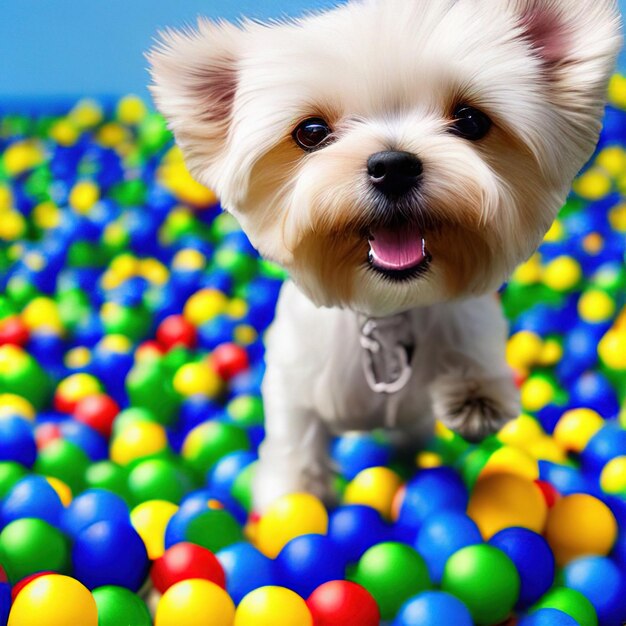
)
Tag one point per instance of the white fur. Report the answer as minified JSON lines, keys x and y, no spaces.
{"x":386,"y":74}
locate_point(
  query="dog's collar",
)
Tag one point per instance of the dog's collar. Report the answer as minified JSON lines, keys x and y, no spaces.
{"x":388,"y":346}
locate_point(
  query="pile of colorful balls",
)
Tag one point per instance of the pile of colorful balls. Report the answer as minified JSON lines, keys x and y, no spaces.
{"x":132,"y":313}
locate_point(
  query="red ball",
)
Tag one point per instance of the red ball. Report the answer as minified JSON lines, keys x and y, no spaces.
{"x":46,"y":433}
{"x":184,"y":561}
{"x":229,"y":359}
{"x":175,"y":330}
{"x":343,"y":603}
{"x":20,"y":584}
{"x":3,"y":575}
{"x":549,"y":491}
{"x":13,"y":331}
{"x":98,"y":411}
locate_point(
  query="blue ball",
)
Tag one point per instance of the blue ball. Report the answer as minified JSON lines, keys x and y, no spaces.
{"x":32,"y":496}
{"x":91,"y":506}
{"x":246,"y":569}
{"x":443,"y":534}
{"x":225,"y":471}
{"x":433,"y":608}
{"x":592,"y":390}
{"x":533,"y":560}
{"x":602,"y":583}
{"x":567,"y":480}
{"x":110,"y":552}
{"x":548,"y":617}
{"x":17,"y":441}
{"x":606,"y":444}
{"x":5,"y":603}
{"x":307,"y":562}
{"x":86,"y":438}
{"x":431,"y":491}
{"x":355,"y":528}
{"x":354,"y":452}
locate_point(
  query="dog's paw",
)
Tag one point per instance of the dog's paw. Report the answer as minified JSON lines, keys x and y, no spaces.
{"x":475,"y":408}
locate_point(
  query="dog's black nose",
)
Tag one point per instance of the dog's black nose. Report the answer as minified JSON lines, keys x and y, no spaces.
{"x":394,"y":173}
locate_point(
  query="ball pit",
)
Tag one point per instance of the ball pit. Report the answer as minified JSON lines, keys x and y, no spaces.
{"x":132,"y":313}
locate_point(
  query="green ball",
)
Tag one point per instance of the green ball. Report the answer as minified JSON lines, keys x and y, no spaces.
{"x":238,"y":264}
{"x":30,"y":545}
{"x":214,"y":530}
{"x":485,"y":579}
{"x":109,"y":476}
{"x":64,"y":460}
{"x":10,"y":473}
{"x":133,"y":322}
{"x":392,"y":573}
{"x":149,"y":386}
{"x":246,"y":410}
{"x":118,"y":605}
{"x":571,"y":602}
{"x":132,"y":415}
{"x":242,"y":487}
{"x":27,"y":379}
{"x":156,"y":479}
{"x":206,"y":444}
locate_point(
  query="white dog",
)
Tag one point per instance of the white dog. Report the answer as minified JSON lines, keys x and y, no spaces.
{"x":399,"y":158}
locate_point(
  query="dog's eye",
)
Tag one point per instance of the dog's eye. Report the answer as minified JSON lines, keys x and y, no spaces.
{"x":311,"y":133}
{"x":470,"y":123}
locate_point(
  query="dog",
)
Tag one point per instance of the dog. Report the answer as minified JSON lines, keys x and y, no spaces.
{"x":399,"y":158}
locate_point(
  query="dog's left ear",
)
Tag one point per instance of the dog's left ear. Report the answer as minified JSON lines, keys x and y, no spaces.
{"x":195,"y":76}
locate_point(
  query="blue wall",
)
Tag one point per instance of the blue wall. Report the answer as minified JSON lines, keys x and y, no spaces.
{"x":71,"y":48}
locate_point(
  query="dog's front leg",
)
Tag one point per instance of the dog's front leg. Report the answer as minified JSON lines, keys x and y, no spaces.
{"x":294,"y":455}
{"x":473,"y":391}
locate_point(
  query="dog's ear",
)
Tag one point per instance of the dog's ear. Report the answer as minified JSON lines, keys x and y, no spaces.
{"x":195,"y":76}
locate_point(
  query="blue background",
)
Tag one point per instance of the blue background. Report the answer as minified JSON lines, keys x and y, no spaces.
{"x":60,"y":49}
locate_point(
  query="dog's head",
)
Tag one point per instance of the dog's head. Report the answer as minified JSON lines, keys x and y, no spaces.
{"x":393,"y":153}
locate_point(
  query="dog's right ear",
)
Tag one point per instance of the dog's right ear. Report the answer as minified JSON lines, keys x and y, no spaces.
{"x":195,"y":75}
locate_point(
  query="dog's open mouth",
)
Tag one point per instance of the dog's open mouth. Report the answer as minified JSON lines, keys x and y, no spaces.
{"x":398,"y":252}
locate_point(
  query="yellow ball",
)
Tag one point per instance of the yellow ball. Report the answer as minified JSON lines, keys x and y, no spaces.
{"x":54,"y":600}
{"x":12,"y":357}
{"x":580,"y":525}
{"x":511,"y":460}
{"x":612,"y":349}
{"x":131,"y":110}
{"x":576,"y":427}
{"x":288,"y":517}
{"x":617,"y":218}
{"x":113,"y":135}
{"x":175,"y":177}
{"x":612,"y":160}
{"x":189,"y":259}
{"x":596,"y":306}
{"x":536,"y":393}
{"x":63,"y":491}
{"x":12,"y":226}
{"x":502,"y":500}
{"x":86,"y":113}
{"x":153,"y":271}
{"x":204,"y":305}
{"x":11,"y":404}
{"x":551,"y":353}
{"x":617,"y":91}
{"x":83,"y":196}
{"x":520,"y":431}
{"x":137,"y":440}
{"x":613,"y":477}
{"x":197,"y":378}
{"x":273,"y":606}
{"x":374,"y":487}
{"x":77,"y":357}
{"x":64,"y":133}
{"x":555,"y":233}
{"x":427,"y":459}
{"x":22,"y":156}
{"x":237,"y":308}
{"x":195,"y":602}
{"x":245,"y":334}
{"x":530,"y":272}
{"x":125,"y":266}
{"x":150,"y":520}
{"x":523,"y":349}
{"x":594,"y":184}
{"x":42,"y":312}
{"x":546,"y":449}
{"x":562,"y":273}
{"x":78,"y":386}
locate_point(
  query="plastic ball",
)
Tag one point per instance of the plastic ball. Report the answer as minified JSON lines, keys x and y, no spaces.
{"x":485,"y":579}
{"x":580,"y":525}
{"x":30,"y":545}
{"x":137,"y":440}
{"x":229,"y":359}
{"x":64,"y":460}
{"x":10,"y":475}
{"x":204,"y":305}
{"x":533,"y":559}
{"x":197,"y":378}
{"x":576,"y":427}
{"x":374,"y":487}
{"x":308,"y":561}
{"x":118,"y":605}
{"x":17,"y":442}
{"x":63,"y":600}
{"x":613,"y":477}
{"x":273,"y":606}
{"x":91,"y":506}
{"x":441,"y":535}
{"x":150,"y":520}
{"x":110,"y":553}
{"x":511,"y":460}
{"x":523,"y":349}
{"x":433,"y":608}
{"x":97,"y":411}
{"x":195,"y":602}
{"x":342,"y":602}
{"x":562,"y":274}
{"x":288,"y":517}
{"x":608,"y":443}
{"x":548,"y":617}
{"x":73,"y":389}
{"x":176,"y":330}
{"x":596,"y":306}
{"x":10,"y":404}
{"x":157,"y":479}
{"x":392,"y":572}
{"x":185,"y":561}
{"x":502,"y":500}
{"x":356,"y":528}
{"x":570,"y":602}
{"x":246,"y":569}
{"x":32,"y":496}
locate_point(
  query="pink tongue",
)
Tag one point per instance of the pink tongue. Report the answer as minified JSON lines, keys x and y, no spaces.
{"x":397,"y":249}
